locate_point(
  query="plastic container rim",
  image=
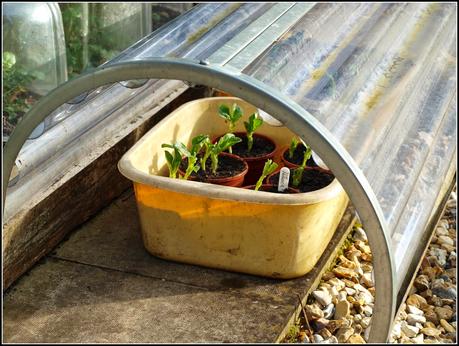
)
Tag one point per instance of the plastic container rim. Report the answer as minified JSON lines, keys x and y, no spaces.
{"x":128,"y":169}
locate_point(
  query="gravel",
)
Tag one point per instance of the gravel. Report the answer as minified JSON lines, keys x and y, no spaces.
{"x":340,"y":309}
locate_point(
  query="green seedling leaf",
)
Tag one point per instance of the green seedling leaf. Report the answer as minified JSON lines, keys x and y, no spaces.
{"x":192,"y":167}
{"x":251,"y":126}
{"x":293,"y":144}
{"x":172,"y":160}
{"x":226,"y":141}
{"x":307,"y":155}
{"x":207,"y":144}
{"x":223,"y":143}
{"x":298,"y":172}
{"x":297,"y":176}
{"x":197,"y":143}
{"x":231,"y":115}
{"x":268,"y":168}
{"x":182,"y":149}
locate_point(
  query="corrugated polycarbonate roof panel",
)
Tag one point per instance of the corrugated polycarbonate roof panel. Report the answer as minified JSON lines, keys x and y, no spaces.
{"x":382,"y":79}
{"x":379,"y":76}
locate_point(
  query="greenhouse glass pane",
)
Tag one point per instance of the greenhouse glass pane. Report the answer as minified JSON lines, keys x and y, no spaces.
{"x":33,"y":58}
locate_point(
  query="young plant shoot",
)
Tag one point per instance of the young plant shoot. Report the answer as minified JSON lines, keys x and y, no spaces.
{"x":298,"y":172}
{"x":192,"y":155}
{"x":223,"y":143}
{"x":251,"y":126}
{"x":269,"y":168}
{"x":231,"y":116}
{"x":207,"y":144}
{"x":173,"y":160}
{"x":293,"y":144}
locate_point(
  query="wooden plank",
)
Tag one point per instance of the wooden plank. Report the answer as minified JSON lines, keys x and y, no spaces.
{"x":312,"y":279}
{"x":35,"y":231}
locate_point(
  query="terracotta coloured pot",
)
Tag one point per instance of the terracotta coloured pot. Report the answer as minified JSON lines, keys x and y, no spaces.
{"x":269,"y":179}
{"x":289,"y":164}
{"x":235,"y":181}
{"x":256,"y":164}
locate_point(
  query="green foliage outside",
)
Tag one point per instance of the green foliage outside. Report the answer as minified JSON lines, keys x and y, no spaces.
{"x":16,"y":98}
{"x":100,"y":47}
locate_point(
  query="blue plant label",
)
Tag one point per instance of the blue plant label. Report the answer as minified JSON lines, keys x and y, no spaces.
{"x":284,"y":177}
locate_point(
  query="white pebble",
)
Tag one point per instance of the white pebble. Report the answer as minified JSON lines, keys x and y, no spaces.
{"x":397,"y":330}
{"x":359,"y":234}
{"x":367,"y":279}
{"x":333,"y":291}
{"x":366,"y":334}
{"x":367,"y":311}
{"x":350,"y":291}
{"x":318,"y":338}
{"x":419,"y":339}
{"x":365,"y":322}
{"x":328,"y":311}
{"x":366,"y":296}
{"x":414,"y":310}
{"x":409,"y":331}
{"x":323,"y":297}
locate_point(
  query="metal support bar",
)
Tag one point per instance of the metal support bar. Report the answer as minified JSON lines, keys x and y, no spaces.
{"x":271,"y":101}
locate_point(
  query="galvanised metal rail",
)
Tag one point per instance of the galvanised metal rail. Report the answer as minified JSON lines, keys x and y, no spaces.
{"x":264,"y":97}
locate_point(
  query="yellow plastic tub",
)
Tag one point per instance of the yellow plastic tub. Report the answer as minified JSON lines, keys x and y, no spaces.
{"x":261,"y":233}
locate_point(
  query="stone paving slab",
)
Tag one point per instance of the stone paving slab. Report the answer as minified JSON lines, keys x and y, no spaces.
{"x":67,"y":302}
{"x":101,"y":285}
{"x":113,"y":240}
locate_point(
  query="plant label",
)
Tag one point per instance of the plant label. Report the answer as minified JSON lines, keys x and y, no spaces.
{"x":269,"y":119}
{"x":319,"y":161}
{"x":284,"y":177}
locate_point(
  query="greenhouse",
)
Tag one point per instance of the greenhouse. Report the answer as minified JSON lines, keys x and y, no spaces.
{"x":229,"y":172}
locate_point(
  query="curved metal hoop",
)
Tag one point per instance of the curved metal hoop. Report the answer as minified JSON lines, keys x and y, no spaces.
{"x":267,"y":99}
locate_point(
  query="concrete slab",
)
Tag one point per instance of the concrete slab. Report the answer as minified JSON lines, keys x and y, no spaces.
{"x":101,"y":285}
{"x":113,"y":240}
{"x":67,"y":302}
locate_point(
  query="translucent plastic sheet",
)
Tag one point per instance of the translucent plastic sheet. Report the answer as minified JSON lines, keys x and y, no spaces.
{"x":196,"y":34}
{"x":381,"y":78}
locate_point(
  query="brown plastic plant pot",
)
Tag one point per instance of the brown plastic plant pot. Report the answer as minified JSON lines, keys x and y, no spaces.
{"x":270,"y":178}
{"x":219,"y":93}
{"x":270,"y":187}
{"x":292,"y":165}
{"x":234,"y":181}
{"x":256,"y":164}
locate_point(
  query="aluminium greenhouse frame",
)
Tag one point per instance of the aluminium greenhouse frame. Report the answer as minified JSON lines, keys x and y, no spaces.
{"x":268,"y":99}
